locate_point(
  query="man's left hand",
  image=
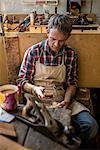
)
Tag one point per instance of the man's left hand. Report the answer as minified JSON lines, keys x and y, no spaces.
{"x":62,"y":104}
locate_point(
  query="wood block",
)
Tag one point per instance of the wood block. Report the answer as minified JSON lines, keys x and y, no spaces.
{"x":7,"y":129}
{"x":14,"y":25}
{"x":7,"y":144}
{"x":91,"y":16}
{"x":44,"y":29}
{"x":35,"y":29}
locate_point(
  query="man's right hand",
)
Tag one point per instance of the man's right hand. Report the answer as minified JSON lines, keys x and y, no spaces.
{"x":39,"y":91}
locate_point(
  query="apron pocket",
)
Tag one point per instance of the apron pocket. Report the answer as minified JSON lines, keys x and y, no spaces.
{"x":56,"y":93}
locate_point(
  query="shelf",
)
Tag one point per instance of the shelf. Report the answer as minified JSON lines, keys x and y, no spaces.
{"x":40,"y":2}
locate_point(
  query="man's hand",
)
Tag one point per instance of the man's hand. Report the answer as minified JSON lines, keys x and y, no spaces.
{"x":70,"y":92}
{"x":39,"y":91}
{"x":30,"y":88}
{"x":63,"y":104}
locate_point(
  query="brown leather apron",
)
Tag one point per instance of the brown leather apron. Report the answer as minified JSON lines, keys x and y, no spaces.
{"x":52,"y":79}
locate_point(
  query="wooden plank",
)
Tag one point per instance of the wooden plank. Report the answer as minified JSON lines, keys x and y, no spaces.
{"x":3,"y":63}
{"x":7,"y":129}
{"x":7,"y":144}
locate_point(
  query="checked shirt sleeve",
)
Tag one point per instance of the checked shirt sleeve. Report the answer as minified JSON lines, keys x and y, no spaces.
{"x":26,"y":69}
{"x":72,"y":68}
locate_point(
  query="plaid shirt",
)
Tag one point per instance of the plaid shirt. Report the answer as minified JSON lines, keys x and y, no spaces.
{"x":47,"y":57}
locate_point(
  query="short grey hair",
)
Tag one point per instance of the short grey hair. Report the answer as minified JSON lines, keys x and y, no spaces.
{"x":61,"y":22}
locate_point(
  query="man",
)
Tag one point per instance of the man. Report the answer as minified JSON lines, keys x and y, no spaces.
{"x":49,"y":73}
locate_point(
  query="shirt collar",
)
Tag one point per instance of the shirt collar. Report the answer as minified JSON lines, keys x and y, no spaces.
{"x":47,"y":48}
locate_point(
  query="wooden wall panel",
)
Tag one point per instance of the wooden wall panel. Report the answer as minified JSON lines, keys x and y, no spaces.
{"x":13,"y":58}
{"x":88,"y":49}
{"x":28,"y":39}
{"x":3,"y":63}
{"x":87,"y":46}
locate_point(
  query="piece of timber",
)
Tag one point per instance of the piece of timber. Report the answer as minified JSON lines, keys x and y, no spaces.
{"x":7,"y":144}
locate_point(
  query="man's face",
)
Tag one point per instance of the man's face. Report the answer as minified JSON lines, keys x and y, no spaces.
{"x":56,"y":39}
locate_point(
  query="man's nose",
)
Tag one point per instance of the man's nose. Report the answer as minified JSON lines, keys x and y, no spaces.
{"x":56,"y":43}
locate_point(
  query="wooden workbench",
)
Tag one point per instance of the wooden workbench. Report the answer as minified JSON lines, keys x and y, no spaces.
{"x":34,"y":140}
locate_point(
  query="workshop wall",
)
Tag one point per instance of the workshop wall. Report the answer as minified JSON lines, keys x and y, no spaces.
{"x":23,"y":6}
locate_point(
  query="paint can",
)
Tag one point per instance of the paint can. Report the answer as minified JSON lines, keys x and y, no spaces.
{"x":8,"y":97}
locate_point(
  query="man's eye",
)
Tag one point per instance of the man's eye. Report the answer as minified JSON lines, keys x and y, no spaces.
{"x":52,"y":39}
